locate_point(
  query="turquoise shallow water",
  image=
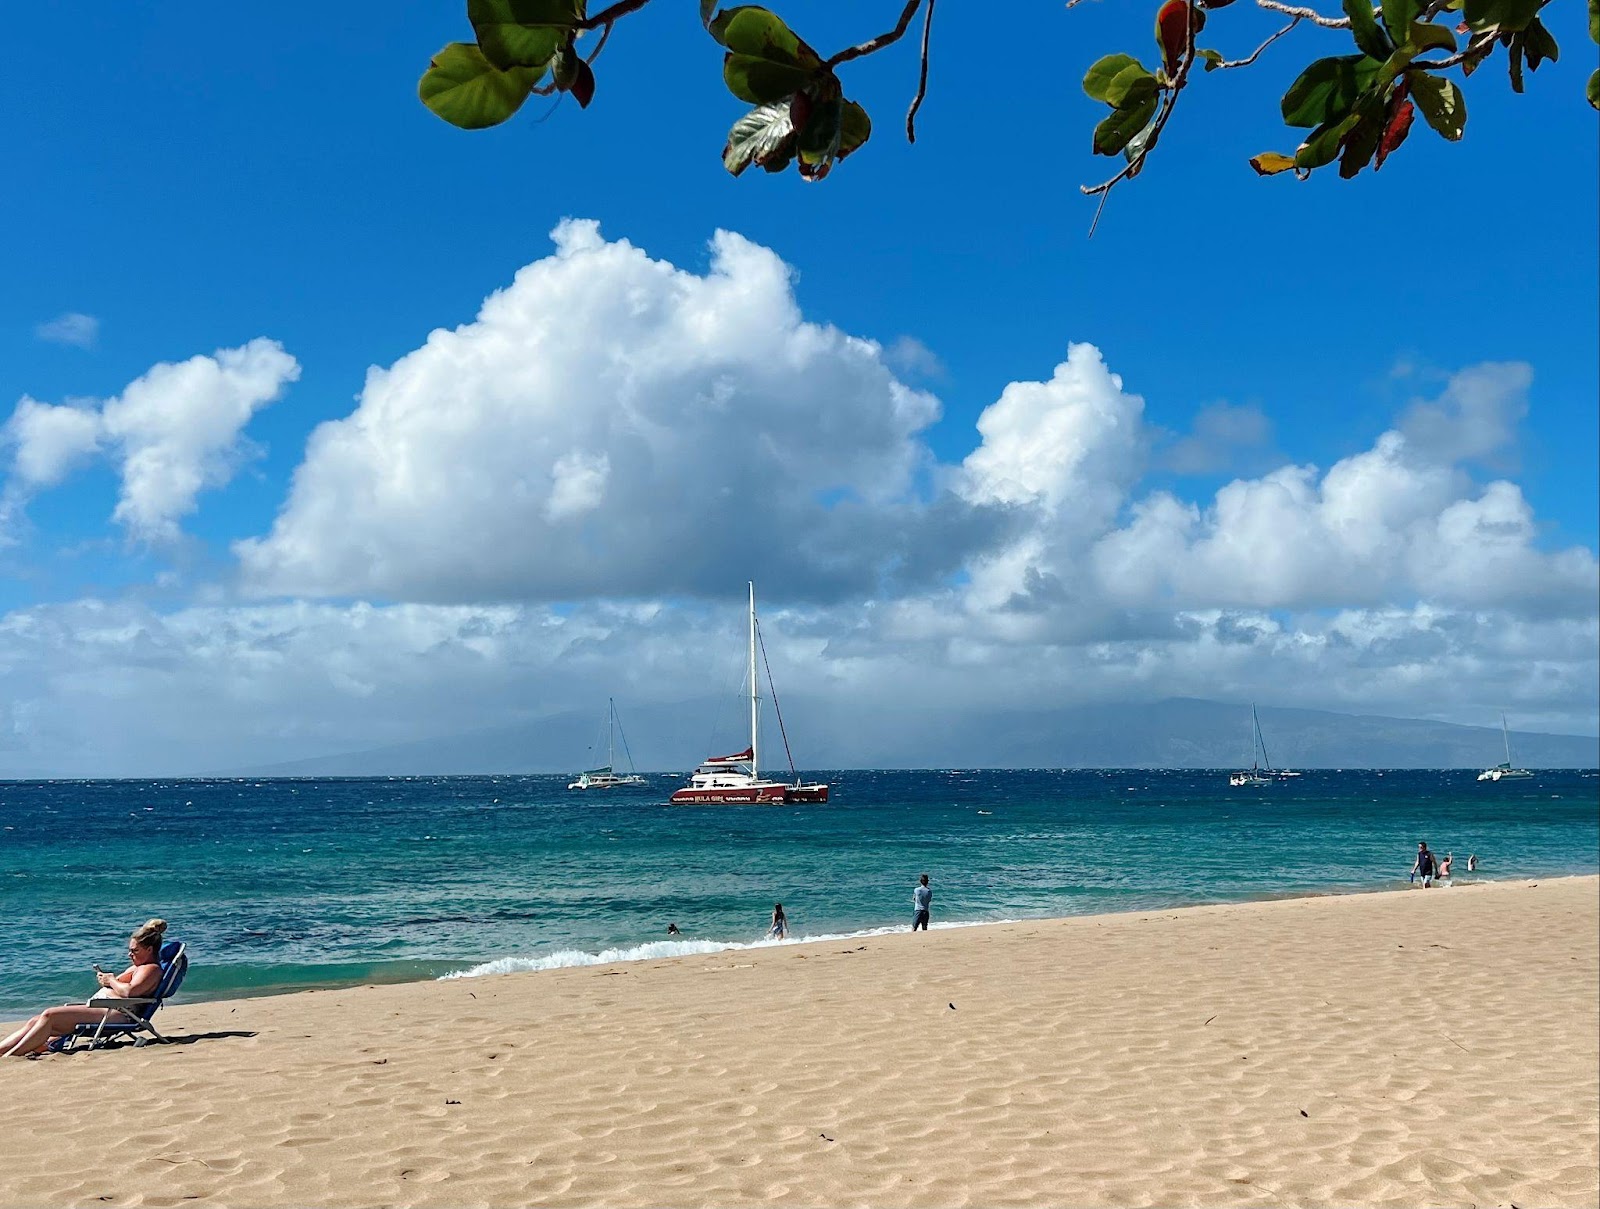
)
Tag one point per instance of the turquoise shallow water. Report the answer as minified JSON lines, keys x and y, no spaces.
{"x":279,"y":885}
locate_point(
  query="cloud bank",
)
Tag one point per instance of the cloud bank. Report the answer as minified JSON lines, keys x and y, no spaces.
{"x":561,"y":500}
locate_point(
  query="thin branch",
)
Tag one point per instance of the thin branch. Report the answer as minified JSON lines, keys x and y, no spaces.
{"x":605,"y":36}
{"x":922,"y":80}
{"x":1293,"y":21}
{"x":1477,"y":49}
{"x":608,"y":15}
{"x":865,"y":48}
{"x":1309,"y":14}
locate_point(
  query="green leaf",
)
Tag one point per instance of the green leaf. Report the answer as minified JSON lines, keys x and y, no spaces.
{"x":1508,"y":15}
{"x":468,"y":91}
{"x":522,"y":33}
{"x":1270,"y":163}
{"x":761,"y":81}
{"x":821,"y":135}
{"x":1213,"y":58}
{"x":1398,"y":16}
{"x":1100,"y":74}
{"x":1141,"y":144}
{"x":1322,"y":144}
{"x":855,"y":128}
{"x":1364,"y":26}
{"x":1426,"y":36}
{"x":1593,"y":91}
{"x":763,"y":134}
{"x":1359,"y":146}
{"x":564,"y":67}
{"x":1115,"y":132}
{"x":1131,"y":86}
{"x":1443,"y":107}
{"x":1594,"y":20}
{"x":707,"y":9}
{"x":1540,"y":43}
{"x":1328,"y":89}
{"x":761,"y":34}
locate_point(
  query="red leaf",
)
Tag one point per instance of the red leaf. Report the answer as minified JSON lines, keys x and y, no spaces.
{"x":1172,"y":33}
{"x":1395,"y":131}
{"x":583,"y":85}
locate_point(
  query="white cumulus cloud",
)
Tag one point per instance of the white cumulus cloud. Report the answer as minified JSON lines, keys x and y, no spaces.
{"x":612,"y":424}
{"x":172,"y":432}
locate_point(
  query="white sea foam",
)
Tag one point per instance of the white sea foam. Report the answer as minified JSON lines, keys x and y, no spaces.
{"x":563,"y":959}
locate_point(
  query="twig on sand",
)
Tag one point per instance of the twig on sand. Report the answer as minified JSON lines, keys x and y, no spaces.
{"x":1455,"y":1043}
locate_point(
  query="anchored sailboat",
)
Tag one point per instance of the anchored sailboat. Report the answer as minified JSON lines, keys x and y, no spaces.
{"x":1504,"y":771}
{"x":1260,"y":771}
{"x":736,"y":779}
{"x":607,"y":777}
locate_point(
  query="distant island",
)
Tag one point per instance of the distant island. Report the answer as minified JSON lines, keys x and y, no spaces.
{"x":1174,"y":733}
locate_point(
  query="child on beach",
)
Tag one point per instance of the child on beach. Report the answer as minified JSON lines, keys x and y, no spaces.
{"x":780,"y":922}
{"x":1444,"y":866}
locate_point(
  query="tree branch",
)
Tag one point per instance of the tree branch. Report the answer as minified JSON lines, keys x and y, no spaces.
{"x":607,"y":15}
{"x":865,"y":48}
{"x":1169,"y":102}
{"x":1476,"y":49}
{"x":1293,"y":21}
{"x":1308,"y":14}
{"x":922,"y":80}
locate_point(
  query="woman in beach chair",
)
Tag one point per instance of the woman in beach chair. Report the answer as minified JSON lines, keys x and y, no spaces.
{"x":137,"y":982}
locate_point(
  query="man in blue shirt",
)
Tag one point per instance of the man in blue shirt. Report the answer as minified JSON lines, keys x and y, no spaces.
{"x":921,"y":900}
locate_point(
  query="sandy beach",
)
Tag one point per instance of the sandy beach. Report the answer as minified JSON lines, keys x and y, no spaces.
{"x":1408,"y":1048}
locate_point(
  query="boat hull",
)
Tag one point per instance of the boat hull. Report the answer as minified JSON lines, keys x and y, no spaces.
{"x":806,"y":793}
{"x":772,"y":794}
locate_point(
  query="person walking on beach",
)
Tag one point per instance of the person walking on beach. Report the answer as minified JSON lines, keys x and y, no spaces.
{"x":1424,"y":866}
{"x":780,"y":922}
{"x":921,"y":903}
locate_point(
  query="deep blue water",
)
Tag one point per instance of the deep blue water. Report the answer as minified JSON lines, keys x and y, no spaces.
{"x":277,"y":885}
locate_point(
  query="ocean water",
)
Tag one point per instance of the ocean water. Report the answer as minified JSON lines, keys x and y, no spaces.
{"x":285,"y":884}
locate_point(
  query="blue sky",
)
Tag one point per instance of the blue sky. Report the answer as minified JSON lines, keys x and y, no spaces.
{"x":211,"y":182}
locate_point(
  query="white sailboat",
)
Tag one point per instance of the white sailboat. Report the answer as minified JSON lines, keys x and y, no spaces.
{"x":1260,"y":771}
{"x":1504,"y":771}
{"x":607,"y":776}
{"x":736,"y":779}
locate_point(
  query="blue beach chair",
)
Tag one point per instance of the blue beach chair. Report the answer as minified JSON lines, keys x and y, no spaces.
{"x":131,"y":1017}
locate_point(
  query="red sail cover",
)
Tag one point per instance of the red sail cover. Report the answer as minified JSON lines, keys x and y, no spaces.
{"x":736,"y":758}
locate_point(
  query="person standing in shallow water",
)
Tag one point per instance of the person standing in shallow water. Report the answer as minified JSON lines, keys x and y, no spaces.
{"x":921,"y":903}
{"x":1424,"y":866}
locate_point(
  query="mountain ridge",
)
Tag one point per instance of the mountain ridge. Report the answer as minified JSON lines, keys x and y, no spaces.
{"x":1172,"y":733}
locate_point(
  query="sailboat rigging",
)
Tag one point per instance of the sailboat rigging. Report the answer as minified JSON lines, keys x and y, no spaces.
{"x":736,"y":779}
{"x":606,"y":776}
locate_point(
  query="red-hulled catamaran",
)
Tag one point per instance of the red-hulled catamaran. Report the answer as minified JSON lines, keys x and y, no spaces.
{"x":736,"y":779}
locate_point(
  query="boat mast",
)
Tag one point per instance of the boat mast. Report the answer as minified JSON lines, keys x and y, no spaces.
{"x":1260,"y":738}
{"x":755,"y":705}
{"x":1504,"y":730}
{"x":611,"y":733}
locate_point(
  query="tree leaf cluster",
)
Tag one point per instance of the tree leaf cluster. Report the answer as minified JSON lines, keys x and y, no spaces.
{"x":1356,"y":108}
